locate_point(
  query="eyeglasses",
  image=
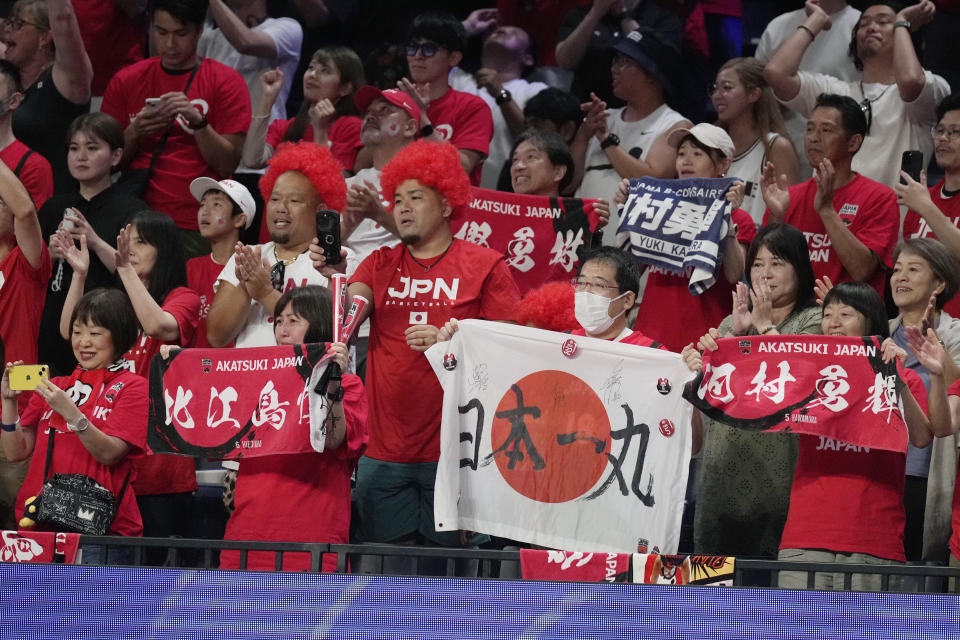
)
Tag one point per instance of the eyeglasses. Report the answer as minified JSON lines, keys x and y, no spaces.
{"x":867,"y":112}
{"x":15,"y":23}
{"x":581,"y":284}
{"x":950,"y":133}
{"x":277,"y":275}
{"x":428,"y":48}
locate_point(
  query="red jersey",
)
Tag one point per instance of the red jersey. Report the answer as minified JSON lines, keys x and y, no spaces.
{"x":467,"y":281}
{"x":217,"y":91}
{"x":870,"y":211}
{"x":847,"y":498}
{"x":35,"y":174}
{"x":464,"y":120}
{"x":916,"y":227}
{"x":166,"y":473}
{"x":302,"y":497}
{"x":954,"y":390}
{"x":343,"y":136}
{"x":668,"y":290}
{"x":22,"y":292}
{"x":111,"y":38}
{"x":116,"y":403}
{"x":635,"y":337}
{"x":202,"y":273}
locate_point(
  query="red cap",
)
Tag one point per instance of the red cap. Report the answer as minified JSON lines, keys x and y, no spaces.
{"x":366,"y":95}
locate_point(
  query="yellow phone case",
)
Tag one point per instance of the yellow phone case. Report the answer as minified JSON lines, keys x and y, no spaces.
{"x":26,"y":377}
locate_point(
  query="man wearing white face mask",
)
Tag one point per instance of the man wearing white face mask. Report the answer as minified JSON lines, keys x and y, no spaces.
{"x":606,"y":289}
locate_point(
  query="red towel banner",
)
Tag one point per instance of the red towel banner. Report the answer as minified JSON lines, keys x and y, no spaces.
{"x":232,"y":403}
{"x":829,"y":386}
{"x":538,"y":235}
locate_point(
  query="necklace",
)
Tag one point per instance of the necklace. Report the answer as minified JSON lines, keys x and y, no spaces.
{"x":871,"y":101}
{"x":427,"y":267}
{"x":286,"y":263}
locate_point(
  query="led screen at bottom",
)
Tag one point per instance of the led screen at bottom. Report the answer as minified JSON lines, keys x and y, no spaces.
{"x":57,"y":601}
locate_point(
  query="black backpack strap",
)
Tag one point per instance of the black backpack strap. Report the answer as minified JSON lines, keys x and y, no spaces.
{"x":23,"y":161}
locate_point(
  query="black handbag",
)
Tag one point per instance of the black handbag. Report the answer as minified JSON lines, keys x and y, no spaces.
{"x":74,"y":502}
{"x":133,"y":182}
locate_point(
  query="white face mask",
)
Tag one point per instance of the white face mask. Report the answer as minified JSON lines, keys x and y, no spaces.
{"x":591,"y":310}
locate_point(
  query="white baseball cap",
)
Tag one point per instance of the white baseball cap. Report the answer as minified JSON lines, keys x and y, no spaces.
{"x":709,"y":134}
{"x":234,"y":190}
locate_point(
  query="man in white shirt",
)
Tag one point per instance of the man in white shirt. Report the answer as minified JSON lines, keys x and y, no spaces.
{"x":897,"y":95}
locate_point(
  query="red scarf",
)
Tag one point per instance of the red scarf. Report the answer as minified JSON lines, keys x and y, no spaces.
{"x":84,"y":388}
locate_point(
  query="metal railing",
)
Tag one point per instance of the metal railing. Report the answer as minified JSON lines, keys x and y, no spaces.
{"x":487,"y":564}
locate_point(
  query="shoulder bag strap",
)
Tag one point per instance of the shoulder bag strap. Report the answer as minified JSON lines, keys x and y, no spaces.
{"x":166,"y":133}
{"x":49,"y":461}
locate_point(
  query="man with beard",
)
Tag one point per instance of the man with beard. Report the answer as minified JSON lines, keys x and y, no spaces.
{"x":301,"y":179}
{"x":413,"y":290}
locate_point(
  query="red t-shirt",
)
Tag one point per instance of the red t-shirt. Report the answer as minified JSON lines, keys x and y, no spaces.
{"x":111,"y":38}
{"x":849,"y":499}
{"x":668,"y":290}
{"x":36,"y":174}
{"x":302,"y":497}
{"x":869,"y":210}
{"x":467,"y":282}
{"x":119,"y":409}
{"x":202,"y":273}
{"x":635,"y":337}
{"x":464,"y":120}
{"x":166,"y":473}
{"x":955,"y":519}
{"x":217,"y":91}
{"x":916,"y":227}
{"x":343,"y":134}
{"x":22,"y":291}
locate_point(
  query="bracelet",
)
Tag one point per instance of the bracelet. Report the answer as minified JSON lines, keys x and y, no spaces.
{"x":813,"y":36}
{"x":767,"y":330}
{"x":260,"y":117}
{"x":10,"y":427}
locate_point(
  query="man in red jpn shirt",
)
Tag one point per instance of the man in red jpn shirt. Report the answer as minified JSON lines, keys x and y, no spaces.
{"x":413,"y":289}
{"x":203,"y":104}
{"x":850,"y":221}
{"x":435,"y":44}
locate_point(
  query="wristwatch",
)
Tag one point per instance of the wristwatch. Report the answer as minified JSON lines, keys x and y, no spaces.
{"x":612,"y":140}
{"x":80,"y":426}
{"x":903,"y":23}
{"x":503,"y":97}
{"x":336,"y":396}
{"x":200,"y":125}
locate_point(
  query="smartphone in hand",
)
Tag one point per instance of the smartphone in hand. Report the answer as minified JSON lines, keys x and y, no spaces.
{"x":912,"y":163}
{"x":26,"y":377}
{"x":328,"y":233}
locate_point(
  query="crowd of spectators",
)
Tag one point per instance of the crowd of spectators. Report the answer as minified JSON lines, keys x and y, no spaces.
{"x":162,"y":163}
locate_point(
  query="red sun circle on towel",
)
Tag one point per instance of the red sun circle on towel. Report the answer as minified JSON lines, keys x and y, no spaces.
{"x":550,"y":436}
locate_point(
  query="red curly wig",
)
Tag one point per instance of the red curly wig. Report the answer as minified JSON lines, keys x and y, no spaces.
{"x":435,"y":164}
{"x":549,"y":306}
{"x":316,"y":163}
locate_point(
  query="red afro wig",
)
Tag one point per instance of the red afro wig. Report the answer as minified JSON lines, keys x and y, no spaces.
{"x":435,"y":164}
{"x":549,"y":306}
{"x":316,"y":163}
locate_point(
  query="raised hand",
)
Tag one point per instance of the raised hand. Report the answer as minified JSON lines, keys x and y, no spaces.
{"x":742,"y":320}
{"x":271,"y":84}
{"x":776,"y":194}
{"x":823,"y":175}
{"x":821,"y":288}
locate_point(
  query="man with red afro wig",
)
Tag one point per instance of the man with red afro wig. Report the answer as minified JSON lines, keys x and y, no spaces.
{"x":413,"y":289}
{"x":301,"y":179}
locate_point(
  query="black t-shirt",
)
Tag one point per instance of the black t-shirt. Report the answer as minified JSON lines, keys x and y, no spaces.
{"x":41,"y":122}
{"x":106,"y":212}
{"x":593,"y":73}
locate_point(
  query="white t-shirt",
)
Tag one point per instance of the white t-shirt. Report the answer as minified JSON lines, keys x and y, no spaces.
{"x":600,"y":179}
{"x":748,"y":166}
{"x":287,"y":35}
{"x":827,"y":54}
{"x":503,"y":139}
{"x":897,"y":126}
{"x":258,"y":329}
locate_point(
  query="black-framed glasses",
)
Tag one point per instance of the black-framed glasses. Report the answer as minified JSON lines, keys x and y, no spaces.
{"x":15,"y":23}
{"x":277,"y":275}
{"x":580,"y":284}
{"x":867,"y":112}
{"x":428,"y":48}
